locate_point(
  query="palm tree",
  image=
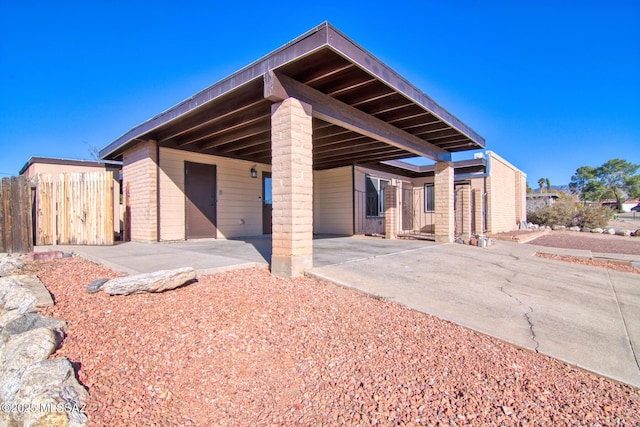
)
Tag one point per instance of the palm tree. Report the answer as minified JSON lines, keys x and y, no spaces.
{"x":548,"y":184}
{"x":541,"y":183}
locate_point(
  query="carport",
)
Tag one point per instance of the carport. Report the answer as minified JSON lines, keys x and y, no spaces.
{"x":317,"y":103}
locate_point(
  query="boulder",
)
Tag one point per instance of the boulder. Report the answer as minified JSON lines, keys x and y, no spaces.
{"x":610,"y":231}
{"x":10,"y":265}
{"x":53,"y":383}
{"x":36,"y":287}
{"x":157,"y":281}
{"x":574,"y":228}
{"x":623,"y":233}
{"x":29,"y":321}
{"x":585,"y":230}
{"x":597,"y":230}
{"x":96,"y":285}
{"x":20,"y":352}
{"x":15,"y":297}
{"x":558,"y":227}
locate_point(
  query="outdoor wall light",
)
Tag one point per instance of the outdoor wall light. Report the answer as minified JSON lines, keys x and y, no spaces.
{"x":254,"y":172}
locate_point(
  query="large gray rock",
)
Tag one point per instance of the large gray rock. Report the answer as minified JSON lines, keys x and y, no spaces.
{"x":13,"y":296}
{"x":20,"y":352}
{"x":54,"y":385}
{"x":96,"y":285}
{"x":29,"y":321}
{"x":36,"y":287}
{"x":30,"y":347}
{"x":10,"y":265}
{"x":621,"y":232}
{"x":157,"y":281}
{"x":597,"y":230}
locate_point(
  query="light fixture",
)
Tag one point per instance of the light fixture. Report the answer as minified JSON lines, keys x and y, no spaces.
{"x":254,"y":172}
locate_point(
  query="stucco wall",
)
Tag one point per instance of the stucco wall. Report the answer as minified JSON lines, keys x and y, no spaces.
{"x":506,"y":192}
{"x":239,"y":202}
{"x":333,"y":201}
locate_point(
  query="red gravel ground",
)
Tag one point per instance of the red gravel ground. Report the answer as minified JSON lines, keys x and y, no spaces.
{"x":595,"y":242}
{"x":245,"y":348}
{"x":591,"y":262}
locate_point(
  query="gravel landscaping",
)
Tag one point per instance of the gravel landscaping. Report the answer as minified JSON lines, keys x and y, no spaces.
{"x":245,"y":348}
{"x":595,"y":242}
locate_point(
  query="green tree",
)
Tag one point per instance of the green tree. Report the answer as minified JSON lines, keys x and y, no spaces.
{"x":548,"y":184}
{"x":615,"y":179}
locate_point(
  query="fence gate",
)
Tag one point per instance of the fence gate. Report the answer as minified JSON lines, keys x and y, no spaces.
{"x":74,"y":209}
{"x":16,"y":232}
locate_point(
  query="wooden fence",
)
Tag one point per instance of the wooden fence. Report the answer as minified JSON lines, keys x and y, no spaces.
{"x":16,"y":232}
{"x":74,"y":209}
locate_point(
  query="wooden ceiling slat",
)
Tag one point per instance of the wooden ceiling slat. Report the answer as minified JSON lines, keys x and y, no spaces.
{"x":240,"y":101}
{"x":235,"y":123}
{"x":237,"y":135}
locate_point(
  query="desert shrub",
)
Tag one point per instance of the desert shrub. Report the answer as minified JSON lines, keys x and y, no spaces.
{"x":563,"y":212}
{"x":594,"y":216}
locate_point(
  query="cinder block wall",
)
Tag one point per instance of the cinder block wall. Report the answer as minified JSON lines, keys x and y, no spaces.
{"x":140,"y":172}
{"x":506,"y":189}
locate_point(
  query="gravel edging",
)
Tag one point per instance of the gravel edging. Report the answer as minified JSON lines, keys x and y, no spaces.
{"x":247,"y":348}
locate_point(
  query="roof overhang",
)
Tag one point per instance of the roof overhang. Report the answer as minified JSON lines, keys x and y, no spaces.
{"x":363,"y":111}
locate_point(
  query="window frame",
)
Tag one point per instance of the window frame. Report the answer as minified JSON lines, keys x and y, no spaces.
{"x":379,"y":195}
{"x":429,"y":202}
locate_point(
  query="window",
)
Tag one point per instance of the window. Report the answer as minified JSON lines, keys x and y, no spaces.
{"x":429,"y":202}
{"x":375,"y":195}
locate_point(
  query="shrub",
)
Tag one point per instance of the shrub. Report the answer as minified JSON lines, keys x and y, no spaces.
{"x":595,"y":216}
{"x":566,"y":211}
{"x":562,"y":212}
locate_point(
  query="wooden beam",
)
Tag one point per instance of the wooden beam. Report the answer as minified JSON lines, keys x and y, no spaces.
{"x":278,"y":87}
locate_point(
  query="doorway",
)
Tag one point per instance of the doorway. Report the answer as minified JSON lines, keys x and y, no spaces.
{"x":267,"y":203}
{"x":201,"y":200}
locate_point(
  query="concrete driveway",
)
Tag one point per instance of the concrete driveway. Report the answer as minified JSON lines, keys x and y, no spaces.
{"x":585,"y":316}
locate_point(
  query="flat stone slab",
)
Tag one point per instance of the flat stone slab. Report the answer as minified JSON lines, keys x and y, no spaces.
{"x":37,"y":288}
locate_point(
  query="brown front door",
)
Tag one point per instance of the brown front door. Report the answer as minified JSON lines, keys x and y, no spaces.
{"x":267,"y":203}
{"x":200,"y":192}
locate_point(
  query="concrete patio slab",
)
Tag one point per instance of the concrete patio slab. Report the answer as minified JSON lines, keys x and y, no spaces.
{"x":586,"y":316}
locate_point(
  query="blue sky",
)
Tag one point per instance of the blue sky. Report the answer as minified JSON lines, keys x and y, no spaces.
{"x":551,"y":86}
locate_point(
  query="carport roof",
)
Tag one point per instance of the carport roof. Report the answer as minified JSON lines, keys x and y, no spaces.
{"x":363,"y":111}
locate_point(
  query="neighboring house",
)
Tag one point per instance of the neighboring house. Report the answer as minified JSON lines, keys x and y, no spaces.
{"x":54,"y":166}
{"x":627,"y":205}
{"x":537,"y":201}
{"x":287,"y":146}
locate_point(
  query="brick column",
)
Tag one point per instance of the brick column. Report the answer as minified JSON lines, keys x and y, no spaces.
{"x":466,"y":210}
{"x":140,"y":173}
{"x":292,"y":180}
{"x":390,"y":211}
{"x":477,"y":212}
{"x":444,"y":210}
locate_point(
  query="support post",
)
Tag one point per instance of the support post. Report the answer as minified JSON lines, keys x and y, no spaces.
{"x":292,"y":180}
{"x":478,"y":221}
{"x":444,"y":204}
{"x":140,"y":176}
{"x":390,"y":211}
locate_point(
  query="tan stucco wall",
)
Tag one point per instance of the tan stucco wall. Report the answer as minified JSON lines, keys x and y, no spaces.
{"x":333,"y":201}
{"x":506,"y":195}
{"x":239,"y":202}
